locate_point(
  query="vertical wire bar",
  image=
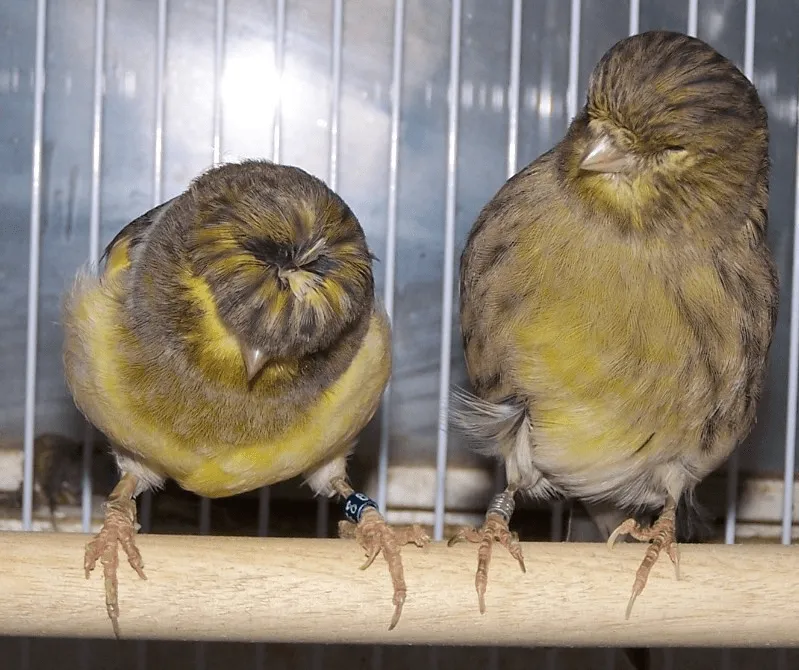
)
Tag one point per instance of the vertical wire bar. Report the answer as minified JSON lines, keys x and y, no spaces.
{"x":390,"y":272}
{"x":33,"y":266}
{"x":33,"y":286}
{"x":789,"y":473}
{"x":216,"y":157}
{"x":556,"y":534}
{"x":94,"y":226}
{"x":335,"y":95}
{"x":793,"y":368}
{"x":280,"y":56}
{"x":574,"y":59}
{"x":323,"y":511}
{"x":733,"y":463}
{"x":514,"y":87}
{"x":449,"y":270}
{"x":264,"y":494}
{"x":693,"y":18}
{"x":323,"y":506}
{"x":635,"y":17}
{"x":219,"y":60}
{"x":94,"y":257}
{"x":160,"y":97}
{"x":146,"y":508}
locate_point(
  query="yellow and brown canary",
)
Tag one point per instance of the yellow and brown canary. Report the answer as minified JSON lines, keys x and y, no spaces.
{"x":231,"y":340}
{"x":618,"y":298}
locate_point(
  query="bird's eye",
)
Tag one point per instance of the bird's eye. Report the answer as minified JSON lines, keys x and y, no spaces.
{"x":674,"y":147}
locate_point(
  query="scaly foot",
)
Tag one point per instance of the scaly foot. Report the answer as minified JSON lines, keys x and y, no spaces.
{"x":119,"y":528}
{"x":375,"y":535}
{"x":495,"y":529}
{"x":661,"y":535}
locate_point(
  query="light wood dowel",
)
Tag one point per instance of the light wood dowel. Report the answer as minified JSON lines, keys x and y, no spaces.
{"x":298,"y":590}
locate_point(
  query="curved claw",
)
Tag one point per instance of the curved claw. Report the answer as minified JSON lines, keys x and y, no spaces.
{"x":370,"y":558}
{"x":119,"y":529}
{"x":494,"y":530}
{"x":661,"y":534}
{"x":481,"y":597}
{"x":636,"y":592}
{"x":398,"y":603}
{"x":376,"y":536}
{"x":624,"y":528}
{"x":458,"y":537}
{"x":520,"y":559}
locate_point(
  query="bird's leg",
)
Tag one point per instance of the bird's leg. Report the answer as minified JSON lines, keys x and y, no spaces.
{"x":119,"y":527}
{"x":495,"y":529}
{"x":661,"y":534}
{"x":366,"y":525}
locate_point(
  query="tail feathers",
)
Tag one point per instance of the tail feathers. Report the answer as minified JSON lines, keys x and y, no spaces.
{"x":487,"y":425}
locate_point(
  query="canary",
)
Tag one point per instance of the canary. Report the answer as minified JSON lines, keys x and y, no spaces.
{"x":230,"y":340}
{"x":618,"y":298}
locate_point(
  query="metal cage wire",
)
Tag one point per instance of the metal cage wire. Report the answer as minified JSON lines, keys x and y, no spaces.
{"x":455,"y":88}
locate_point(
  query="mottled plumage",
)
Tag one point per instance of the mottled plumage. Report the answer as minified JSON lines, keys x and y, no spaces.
{"x":618,"y":298}
{"x":232,"y":339}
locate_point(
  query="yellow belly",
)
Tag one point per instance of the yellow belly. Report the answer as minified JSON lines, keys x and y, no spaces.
{"x":226,"y":455}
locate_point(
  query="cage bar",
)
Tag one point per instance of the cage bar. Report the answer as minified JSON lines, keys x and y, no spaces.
{"x":390,"y":272}
{"x":334,"y":114}
{"x":335,"y":94}
{"x":572,"y":105}
{"x":200,"y":661}
{"x":514,"y":86}
{"x":264,"y":493}
{"x":448,"y":286}
{"x":219,"y":61}
{"x":789,"y":473}
{"x":280,"y":57}
{"x":635,"y":17}
{"x":160,"y":98}
{"x":146,"y":505}
{"x":693,"y":18}
{"x":146,"y":498}
{"x":733,"y":465}
{"x":574,"y":59}
{"x":33,"y":267}
{"x":94,"y":228}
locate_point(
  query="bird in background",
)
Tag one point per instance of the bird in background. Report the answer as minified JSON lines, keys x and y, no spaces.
{"x":230,"y":340}
{"x":57,"y":472}
{"x":618,"y":298}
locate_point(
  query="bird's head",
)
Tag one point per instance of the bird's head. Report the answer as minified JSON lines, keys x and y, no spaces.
{"x":281,"y":257}
{"x":666,"y":117}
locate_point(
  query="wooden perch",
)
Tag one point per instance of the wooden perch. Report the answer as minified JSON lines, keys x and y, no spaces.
{"x":302,"y":590}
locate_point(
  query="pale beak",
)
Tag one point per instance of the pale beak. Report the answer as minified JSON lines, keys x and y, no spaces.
{"x":605,"y":156}
{"x":254,"y":361}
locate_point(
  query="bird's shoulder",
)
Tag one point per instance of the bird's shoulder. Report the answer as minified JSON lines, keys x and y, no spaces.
{"x":119,"y":252}
{"x":515,"y":214}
